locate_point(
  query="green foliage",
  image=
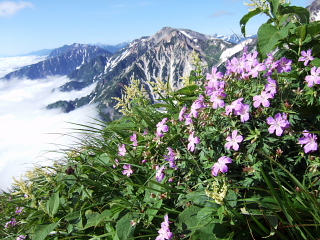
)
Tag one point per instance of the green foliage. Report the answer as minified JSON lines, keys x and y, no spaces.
{"x":270,"y":190}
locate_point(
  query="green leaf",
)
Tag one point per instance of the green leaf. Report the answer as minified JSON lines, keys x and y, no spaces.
{"x":244,"y":20}
{"x":269,"y":36}
{"x":316,"y":62}
{"x":313,"y":28}
{"x":52,"y":205}
{"x":274,"y":6}
{"x":94,"y":219}
{"x":301,"y":32}
{"x":124,"y":228}
{"x":302,"y":13}
{"x":152,"y":211}
{"x":44,"y":230}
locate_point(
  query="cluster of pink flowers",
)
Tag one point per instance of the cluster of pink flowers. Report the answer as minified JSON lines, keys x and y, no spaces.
{"x":11,"y":223}
{"x":162,"y":127}
{"x":248,"y":65}
{"x":164,"y":232}
{"x":122,"y":150}
{"x":21,"y":237}
{"x":171,"y":157}
{"x":133,"y":138}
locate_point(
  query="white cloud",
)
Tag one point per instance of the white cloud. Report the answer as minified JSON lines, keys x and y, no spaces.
{"x":10,"y":64}
{"x":28,"y":131}
{"x":9,"y":8}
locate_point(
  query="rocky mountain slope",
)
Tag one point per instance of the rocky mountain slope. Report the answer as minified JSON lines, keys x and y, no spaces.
{"x":166,"y":55}
{"x":60,"y":61}
{"x":314,"y":9}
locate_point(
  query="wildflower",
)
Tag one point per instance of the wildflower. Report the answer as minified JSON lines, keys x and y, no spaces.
{"x":233,"y":140}
{"x":235,"y":105}
{"x":182,"y":113}
{"x":160,"y":174}
{"x":13,"y":222}
{"x":19,"y":210}
{"x":197,"y":104}
{"x":278,"y":123}
{"x":122,"y":150}
{"x":221,"y":165}
{"x":116,"y":163}
{"x":161,"y":127}
{"x":284,"y":65}
{"x":243,"y":112}
{"x":310,"y":141}
{"x":171,"y":158}
{"x":188,"y":120}
{"x":214,"y":74}
{"x":192,"y":142}
{"x":145,"y":132}
{"x":306,"y":57}
{"x":216,"y":99}
{"x":164,"y":232}
{"x":127,"y":170}
{"x":21,"y":237}
{"x":256,"y":69}
{"x":262,"y":99}
{"x":314,"y":78}
{"x":133,"y":138}
{"x":271,"y":86}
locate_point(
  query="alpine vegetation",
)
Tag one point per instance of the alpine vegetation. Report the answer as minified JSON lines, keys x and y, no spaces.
{"x":232,"y":154}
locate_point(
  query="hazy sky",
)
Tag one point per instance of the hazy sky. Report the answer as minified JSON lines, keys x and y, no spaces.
{"x":38,"y":24}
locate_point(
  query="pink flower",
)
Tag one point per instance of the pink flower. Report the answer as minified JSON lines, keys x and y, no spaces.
{"x":235,"y":105}
{"x":192,"y":142}
{"x":278,"y":123}
{"x":12,"y":223}
{"x":161,"y":127}
{"x":284,"y":65}
{"x":21,"y":237}
{"x":271,"y":86}
{"x":306,"y":57}
{"x":214,"y":74}
{"x":243,"y":112}
{"x":127,"y":170}
{"x":122,"y":150}
{"x":182,"y":113}
{"x":164,"y":232}
{"x":233,"y":141}
{"x":160,"y":174}
{"x":314,"y":78}
{"x":197,"y":104}
{"x":19,"y":210}
{"x":221,"y":165}
{"x":310,"y":141}
{"x":262,"y":99}
{"x":116,"y":163}
{"x":133,"y":138}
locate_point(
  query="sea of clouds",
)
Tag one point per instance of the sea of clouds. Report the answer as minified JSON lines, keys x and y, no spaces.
{"x":29,"y":133}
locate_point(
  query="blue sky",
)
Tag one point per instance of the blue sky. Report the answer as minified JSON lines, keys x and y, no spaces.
{"x":32,"y":25}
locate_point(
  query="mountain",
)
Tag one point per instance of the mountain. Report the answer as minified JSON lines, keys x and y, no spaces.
{"x":234,"y":38}
{"x":42,"y":52}
{"x":111,"y":48}
{"x":314,"y":9}
{"x":165,"y":55}
{"x":60,"y":61}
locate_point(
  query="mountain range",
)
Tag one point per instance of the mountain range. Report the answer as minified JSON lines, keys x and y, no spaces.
{"x":166,"y":55}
